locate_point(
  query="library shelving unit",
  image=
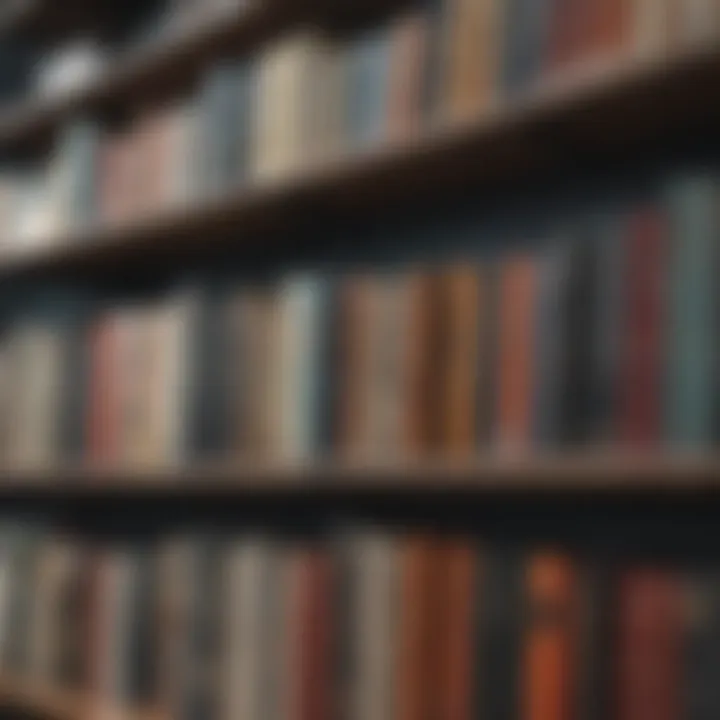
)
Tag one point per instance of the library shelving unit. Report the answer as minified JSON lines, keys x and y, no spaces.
{"x":587,"y":118}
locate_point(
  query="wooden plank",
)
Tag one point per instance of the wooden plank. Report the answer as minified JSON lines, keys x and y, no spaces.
{"x":568,"y":472}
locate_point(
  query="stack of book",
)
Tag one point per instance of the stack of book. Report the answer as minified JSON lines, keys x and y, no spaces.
{"x":362,"y":625}
{"x":308,"y":98}
{"x":605,"y":333}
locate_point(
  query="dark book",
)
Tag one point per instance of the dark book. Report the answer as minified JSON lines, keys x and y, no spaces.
{"x":596,"y":650}
{"x":701,"y":643}
{"x":610,"y":283}
{"x":500,"y":602}
{"x":649,"y":645}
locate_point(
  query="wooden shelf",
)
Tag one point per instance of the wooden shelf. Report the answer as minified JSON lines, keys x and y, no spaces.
{"x":56,"y":704}
{"x":570,"y":473}
{"x":592,"y":116}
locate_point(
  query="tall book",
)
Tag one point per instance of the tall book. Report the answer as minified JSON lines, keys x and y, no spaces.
{"x":463,"y":321}
{"x":372,"y":627}
{"x":415,"y":686}
{"x":701,"y":644}
{"x":303,"y":368}
{"x":517,"y":296}
{"x":525,"y":41}
{"x":471,"y":56}
{"x":455,"y":623}
{"x":367,"y":87}
{"x":640,"y":404}
{"x":550,"y":646}
{"x":501,"y":600}
{"x":408,"y":72}
{"x":691,"y":344}
{"x":649,"y":645}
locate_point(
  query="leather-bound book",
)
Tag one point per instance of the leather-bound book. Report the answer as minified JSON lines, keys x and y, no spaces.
{"x":610,"y":27}
{"x":643,"y":343}
{"x":102,"y":430}
{"x":315,"y":619}
{"x":517,"y":297}
{"x":649,"y":645}
{"x":456,"y":620}
{"x":549,"y":662}
{"x":462,"y":303}
{"x":416,"y":687}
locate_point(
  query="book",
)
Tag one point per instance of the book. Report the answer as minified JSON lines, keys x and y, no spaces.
{"x":517,"y":297}
{"x":550,"y":644}
{"x":691,"y":349}
{"x":649,"y":645}
{"x":471,"y":57}
{"x":639,"y":392}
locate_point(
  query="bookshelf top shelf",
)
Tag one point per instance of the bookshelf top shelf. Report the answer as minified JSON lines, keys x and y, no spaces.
{"x":597,"y":114}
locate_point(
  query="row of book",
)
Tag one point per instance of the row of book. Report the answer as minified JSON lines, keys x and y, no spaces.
{"x":362,"y":625}
{"x":307,"y":99}
{"x":606,"y":333}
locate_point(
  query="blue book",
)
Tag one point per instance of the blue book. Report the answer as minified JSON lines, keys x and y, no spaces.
{"x":367,"y":87}
{"x":527,"y":24}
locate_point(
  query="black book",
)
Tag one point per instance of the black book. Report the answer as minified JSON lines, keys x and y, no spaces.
{"x":701,"y":617}
{"x":596,"y":651}
{"x":499,"y":603}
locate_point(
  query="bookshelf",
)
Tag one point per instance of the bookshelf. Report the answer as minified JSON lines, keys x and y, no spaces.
{"x":120,"y":537}
{"x":589,"y":116}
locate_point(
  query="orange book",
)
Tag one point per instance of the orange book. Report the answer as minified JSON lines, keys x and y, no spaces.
{"x":455,"y":658}
{"x":515,"y":352}
{"x":462,"y":304}
{"x":551,"y":637}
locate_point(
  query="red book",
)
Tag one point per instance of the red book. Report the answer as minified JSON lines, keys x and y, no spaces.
{"x":639,"y":402}
{"x":454,"y":661}
{"x":316,"y":631}
{"x":649,"y":646}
